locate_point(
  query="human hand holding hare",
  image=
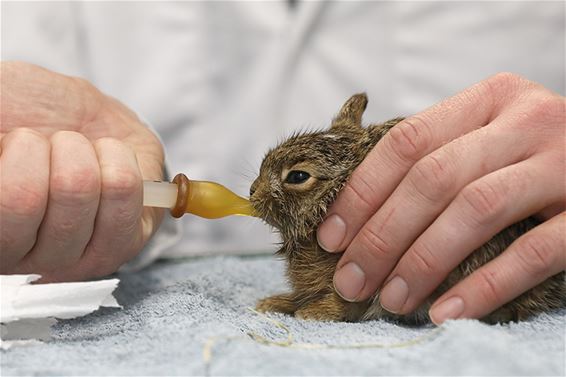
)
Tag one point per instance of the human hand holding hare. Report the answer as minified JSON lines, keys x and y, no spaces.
{"x":444,"y":182}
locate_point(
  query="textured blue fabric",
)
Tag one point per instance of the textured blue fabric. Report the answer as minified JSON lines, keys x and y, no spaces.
{"x":172,"y":308}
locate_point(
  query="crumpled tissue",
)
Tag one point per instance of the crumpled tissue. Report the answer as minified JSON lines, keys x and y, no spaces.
{"x":27,"y":311}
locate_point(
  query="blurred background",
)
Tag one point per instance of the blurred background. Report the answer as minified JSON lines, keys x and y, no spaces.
{"x":221,"y":82}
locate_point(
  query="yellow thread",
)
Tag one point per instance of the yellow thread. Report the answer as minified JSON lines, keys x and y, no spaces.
{"x":290,"y":343}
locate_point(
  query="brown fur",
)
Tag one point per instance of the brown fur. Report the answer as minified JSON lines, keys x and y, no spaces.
{"x":296,"y":210}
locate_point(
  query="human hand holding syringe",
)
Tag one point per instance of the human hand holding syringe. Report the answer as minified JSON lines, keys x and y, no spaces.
{"x":73,"y":163}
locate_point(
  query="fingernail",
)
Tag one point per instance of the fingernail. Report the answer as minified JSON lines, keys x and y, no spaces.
{"x":394,"y":295}
{"x":449,"y":309}
{"x":331,"y":233}
{"x":349,"y":281}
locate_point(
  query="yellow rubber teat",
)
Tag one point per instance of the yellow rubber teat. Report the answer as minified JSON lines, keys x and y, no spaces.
{"x":208,"y":199}
{"x":212,"y":200}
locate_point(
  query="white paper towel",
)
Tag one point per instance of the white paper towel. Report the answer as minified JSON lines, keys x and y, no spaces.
{"x":27,"y":311}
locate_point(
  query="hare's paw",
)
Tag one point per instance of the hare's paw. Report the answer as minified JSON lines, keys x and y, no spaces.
{"x":313,"y":312}
{"x":327,"y":308}
{"x":332,"y":307}
{"x":283,"y":303}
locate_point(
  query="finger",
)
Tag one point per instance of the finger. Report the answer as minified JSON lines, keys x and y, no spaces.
{"x":118,"y":232}
{"x":481,"y":210}
{"x":73,"y":201}
{"x":405,"y":144}
{"x":530,"y":260}
{"x":427,"y":189}
{"x":24,"y":186}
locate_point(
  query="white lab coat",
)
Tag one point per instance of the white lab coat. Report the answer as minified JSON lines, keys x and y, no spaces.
{"x":223,"y":81}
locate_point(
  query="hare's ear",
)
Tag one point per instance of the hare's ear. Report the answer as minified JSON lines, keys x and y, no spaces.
{"x":350,"y":116}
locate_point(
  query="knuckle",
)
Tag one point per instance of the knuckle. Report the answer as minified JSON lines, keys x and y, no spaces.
{"x":362,"y":190}
{"x":506,"y":77}
{"x":25,"y":140}
{"x":65,"y":135}
{"x":79,"y":186}
{"x":64,"y":230}
{"x":487,"y":285}
{"x":432,"y":177}
{"x":483,"y":202}
{"x":106,"y":142}
{"x":504,"y":81}
{"x":27,"y":135}
{"x":22,"y":201}
{"x":501,"y":86}
{"x":119,"y":182}
{"x":68,"y":143}
{"x":536,"y":254}
{"x":411,"y":138}
{"x":548,"y":109}
{"x":475,"y":94}
{"x":423,"y":260}
{"x":375,"y":244}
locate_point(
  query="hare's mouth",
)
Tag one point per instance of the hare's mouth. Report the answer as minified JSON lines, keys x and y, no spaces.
{"x":264,"y":211}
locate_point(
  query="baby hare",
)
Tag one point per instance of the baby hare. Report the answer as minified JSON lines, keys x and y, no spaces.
{"x":297,"y":182}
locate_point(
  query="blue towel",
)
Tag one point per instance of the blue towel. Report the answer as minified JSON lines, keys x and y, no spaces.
{"x":172,"y":310}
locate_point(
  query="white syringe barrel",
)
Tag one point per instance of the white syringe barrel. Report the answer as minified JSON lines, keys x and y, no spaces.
{"x":159,"y":194}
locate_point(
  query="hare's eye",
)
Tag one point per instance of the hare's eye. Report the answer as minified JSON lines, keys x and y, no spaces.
{"x":296,"y":177}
